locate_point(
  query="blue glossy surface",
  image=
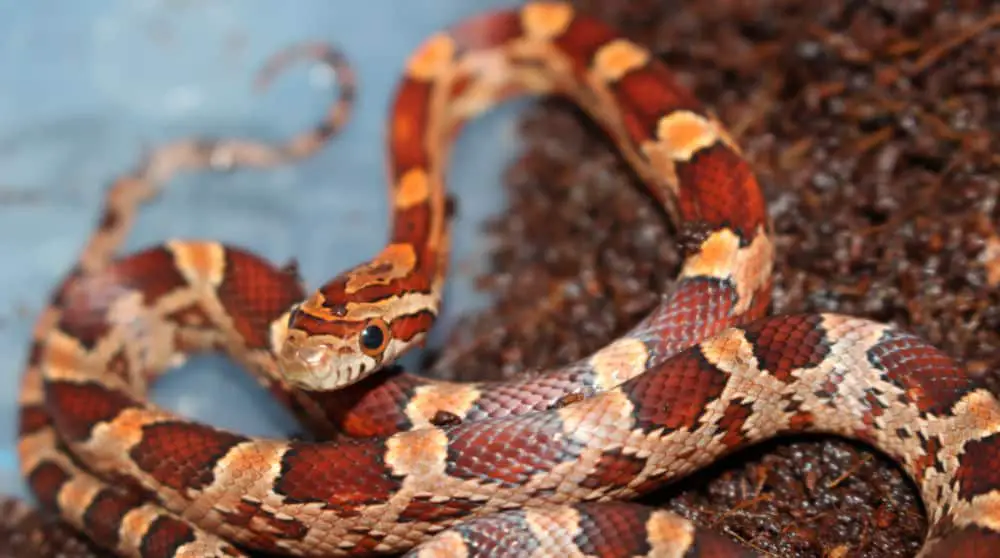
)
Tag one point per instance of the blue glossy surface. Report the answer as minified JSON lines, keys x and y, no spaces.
{"x":85,"y":86}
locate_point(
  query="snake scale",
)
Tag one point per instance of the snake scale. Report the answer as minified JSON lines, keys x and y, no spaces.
{"x":538,"y":466}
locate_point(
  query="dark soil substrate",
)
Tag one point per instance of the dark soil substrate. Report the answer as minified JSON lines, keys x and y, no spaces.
{"x":869,"y":126}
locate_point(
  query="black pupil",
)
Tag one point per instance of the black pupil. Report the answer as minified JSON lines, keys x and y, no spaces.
{"x":372,"y":337}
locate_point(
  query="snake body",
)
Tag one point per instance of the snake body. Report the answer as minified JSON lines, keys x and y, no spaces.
{"x":537,"y":466}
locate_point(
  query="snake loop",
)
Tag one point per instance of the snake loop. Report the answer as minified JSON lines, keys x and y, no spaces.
{"x":49,"y":468}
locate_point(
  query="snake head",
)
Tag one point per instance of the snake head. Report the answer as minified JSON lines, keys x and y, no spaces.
{"x":353,"y":326}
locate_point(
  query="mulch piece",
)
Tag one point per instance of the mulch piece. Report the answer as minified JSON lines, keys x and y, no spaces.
{"x":869,"y":125}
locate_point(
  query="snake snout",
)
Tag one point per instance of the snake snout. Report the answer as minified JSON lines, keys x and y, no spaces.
{"x":308,"y":365}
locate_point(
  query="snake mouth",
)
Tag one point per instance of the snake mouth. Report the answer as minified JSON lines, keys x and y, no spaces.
{"x":316,"y":364}
{"x":308,"y":363}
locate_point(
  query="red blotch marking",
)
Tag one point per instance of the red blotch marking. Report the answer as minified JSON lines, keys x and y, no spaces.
{"x":83,"y":303}
{"x":408,"y":124}
{"x":613,"y":529}
{"x":492,"y":535}
{"x":761,"y":302}
{"x":674,"y":394}
{"x":614,"y":470}
{"x":248,"y":512}
{"x":644,"y":95}
{"x":930,"y":378}
{"x":417,"y":281}
{"x":118,"y":366}
{"x":656,"y":481}
{"x":979,"y":469}
{"x":968,"y":542}
{"x":648,"y":94}
{"x":540,"y":393}
{"x":829,"y":389}
{"x":32,"y":419}
{"x":371,"y":407}
{"x":320,"y":326}
{"x":510,"y":451}
{"x":255,"y":294}
{"x":181,"y":455}
{"x":407,"y":327}
{"x":77,"y":408}
{"x":798,"y":420}
{"x":103,"y":517}
{"x":46,"y":480}
{"x":422,"y":509}
{"x":486,"y":30}
{"x":801,"y":421}
{"x":164,"y":538}
{"x":366,"y":545}
{"x":921,"y":463}
{"x":698,"y":308}
{"x":582,"y":39}
{"x":783,"y":345}
{"x":875,"y":408}
{"x":152,"y":271}
{"x":732,"y":421}
{"x":460,"y":86}
{"x":65,"y":287}
{"x":345,"y":477}
{"x":718,"y":187}
{"x":84,"y":300}
{"x":411,"y":225}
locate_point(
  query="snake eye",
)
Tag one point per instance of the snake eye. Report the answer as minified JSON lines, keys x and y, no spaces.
{"x":374,"y":338}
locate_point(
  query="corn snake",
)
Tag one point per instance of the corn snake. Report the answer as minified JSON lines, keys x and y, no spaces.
{"x":700,"y":377}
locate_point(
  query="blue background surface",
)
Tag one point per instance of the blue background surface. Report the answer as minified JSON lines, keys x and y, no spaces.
{"x":86,"y":86}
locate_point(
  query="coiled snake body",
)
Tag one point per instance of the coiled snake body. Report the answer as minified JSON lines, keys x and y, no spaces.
{"x":536,"y":466}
